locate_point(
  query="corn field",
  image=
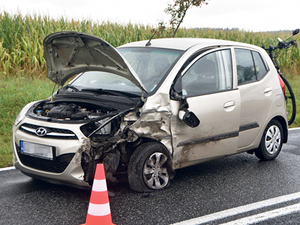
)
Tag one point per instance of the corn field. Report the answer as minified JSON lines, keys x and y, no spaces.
{"x":21,"y":40}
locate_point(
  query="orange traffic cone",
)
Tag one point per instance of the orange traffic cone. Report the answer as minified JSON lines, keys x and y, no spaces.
{"x":99,"y":209}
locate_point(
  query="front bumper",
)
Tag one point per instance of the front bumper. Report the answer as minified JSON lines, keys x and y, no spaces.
{"x":65,"y":168}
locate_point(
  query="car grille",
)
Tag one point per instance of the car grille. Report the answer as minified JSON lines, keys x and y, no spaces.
{"x":58,"y":165}
{"x":55,"y":133}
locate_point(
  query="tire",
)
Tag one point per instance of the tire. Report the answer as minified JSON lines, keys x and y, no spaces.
{"x":290,"y":101}
{"x":271,"y":141}
{"x":148,"y":168}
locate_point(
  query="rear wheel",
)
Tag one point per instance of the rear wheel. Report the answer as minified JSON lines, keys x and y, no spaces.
{"x":290,"y":101}
{"x":148,"y":168}
{"x":271,"y":142}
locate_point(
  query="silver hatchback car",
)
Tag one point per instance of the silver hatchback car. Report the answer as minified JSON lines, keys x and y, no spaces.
{"x":148,"y":108}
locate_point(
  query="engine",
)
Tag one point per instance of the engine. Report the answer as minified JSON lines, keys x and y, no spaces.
{"x":69,"y":111}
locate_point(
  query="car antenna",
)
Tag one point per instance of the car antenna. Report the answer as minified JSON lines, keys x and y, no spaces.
{"x":149,"y":42}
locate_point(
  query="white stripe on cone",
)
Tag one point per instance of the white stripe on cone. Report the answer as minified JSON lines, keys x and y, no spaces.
{"x":99,"y":210}
{"x":99,"y":185}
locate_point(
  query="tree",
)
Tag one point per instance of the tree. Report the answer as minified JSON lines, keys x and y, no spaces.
{"x":178,"y":11}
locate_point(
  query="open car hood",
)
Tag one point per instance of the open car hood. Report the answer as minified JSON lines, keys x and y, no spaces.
{"x":68,"y":53}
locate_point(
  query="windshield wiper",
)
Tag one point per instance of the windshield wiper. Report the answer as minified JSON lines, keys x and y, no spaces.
{"x":100,"y":91}
{"x":71,"y":87}
{"x":111,"y":92}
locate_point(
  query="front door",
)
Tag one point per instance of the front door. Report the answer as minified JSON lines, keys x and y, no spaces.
{"x":207,"y":83}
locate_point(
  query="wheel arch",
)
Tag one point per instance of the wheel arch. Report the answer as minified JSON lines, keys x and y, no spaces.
{"x":144,"y":140}
{"x":170,"y":155}
{"x":284,"y":125}
{"x":135,"y":171}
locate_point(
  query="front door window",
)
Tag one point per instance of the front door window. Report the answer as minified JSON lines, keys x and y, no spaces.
{"x":209,"y":74}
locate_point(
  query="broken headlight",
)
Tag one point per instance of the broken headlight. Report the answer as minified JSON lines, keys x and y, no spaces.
{"x":99,"y":127}
{"x":103,"y":126}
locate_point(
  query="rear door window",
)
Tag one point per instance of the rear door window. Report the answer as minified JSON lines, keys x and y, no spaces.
{"x":250,"y":66}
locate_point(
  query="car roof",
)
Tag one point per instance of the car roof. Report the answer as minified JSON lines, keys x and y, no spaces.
{"x":185,"y":43}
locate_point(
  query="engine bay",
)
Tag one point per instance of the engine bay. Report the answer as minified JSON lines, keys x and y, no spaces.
{"x":69,"y":110}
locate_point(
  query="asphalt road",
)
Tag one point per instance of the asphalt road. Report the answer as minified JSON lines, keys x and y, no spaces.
{"x":204,"y":191}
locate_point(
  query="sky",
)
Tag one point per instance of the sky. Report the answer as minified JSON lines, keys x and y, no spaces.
{"x":247,"y":15}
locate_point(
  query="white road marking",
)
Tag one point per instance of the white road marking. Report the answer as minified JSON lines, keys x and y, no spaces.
{"x":295,"y":128}
{"x":7,"y":168}
{"x":240,"y":210}
{"x":266,"y":215}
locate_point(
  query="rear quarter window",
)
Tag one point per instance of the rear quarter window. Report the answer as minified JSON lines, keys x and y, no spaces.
{"x":260,"y":66}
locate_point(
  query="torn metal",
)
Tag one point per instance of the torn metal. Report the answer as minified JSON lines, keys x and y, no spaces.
{"x":135,"y":127}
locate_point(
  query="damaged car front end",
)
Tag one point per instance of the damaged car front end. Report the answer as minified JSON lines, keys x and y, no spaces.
{"x":93,"y":119}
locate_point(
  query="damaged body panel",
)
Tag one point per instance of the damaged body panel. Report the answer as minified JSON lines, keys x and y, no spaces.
{"x":145,"y":110}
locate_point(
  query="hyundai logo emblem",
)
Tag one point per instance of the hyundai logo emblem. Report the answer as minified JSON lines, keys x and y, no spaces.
{"x":41,"y":131}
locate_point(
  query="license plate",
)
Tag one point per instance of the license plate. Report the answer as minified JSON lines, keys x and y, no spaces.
{"x":37,"y":150}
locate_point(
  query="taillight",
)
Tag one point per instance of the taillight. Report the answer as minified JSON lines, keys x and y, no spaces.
{"x":281,"y":84}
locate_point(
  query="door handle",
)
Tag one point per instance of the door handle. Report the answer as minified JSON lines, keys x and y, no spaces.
{"x":267,"y":90}
{"x":229,"y":104}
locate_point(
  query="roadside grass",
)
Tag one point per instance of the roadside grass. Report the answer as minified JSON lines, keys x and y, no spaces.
{"x":16,"y":92}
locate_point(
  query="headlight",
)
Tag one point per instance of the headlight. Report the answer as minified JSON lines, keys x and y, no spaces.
{"x":89,"y":128}
{"x":104,"y":130}
{"x":22,"y":114}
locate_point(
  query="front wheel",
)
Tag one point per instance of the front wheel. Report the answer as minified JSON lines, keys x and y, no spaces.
{"x":148,"y":168}
{"x":290,"y":101}
{"x":271,"y":142}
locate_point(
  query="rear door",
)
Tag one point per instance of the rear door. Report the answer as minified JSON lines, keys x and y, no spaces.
{"x":257,"y":94}
{"x":207,"y":83}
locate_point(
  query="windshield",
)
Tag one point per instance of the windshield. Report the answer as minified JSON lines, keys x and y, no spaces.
{"x":104,"y":80}
{"x":150,"y":64}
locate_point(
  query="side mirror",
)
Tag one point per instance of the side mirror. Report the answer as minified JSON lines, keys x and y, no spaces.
{"x":189,"y":118}
{"x":295,"y":32}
